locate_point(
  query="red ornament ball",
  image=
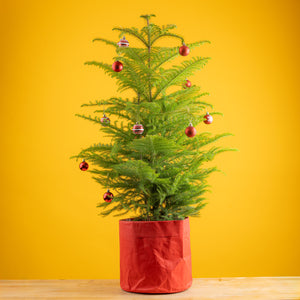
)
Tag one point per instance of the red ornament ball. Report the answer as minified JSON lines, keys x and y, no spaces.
{"x":184,"y":50}
{"x":123,"y":43}
{"x":83,"y":165}
{"x":208,"y":119}
{"x":190,"y":131}
{"x":105,"y":120}
{"x":108,"y":196}
{"x":138,"y":128}
{"x":188,"y":83}
{"x":117,"y":66}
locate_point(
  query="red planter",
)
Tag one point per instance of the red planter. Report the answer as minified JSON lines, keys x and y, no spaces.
{"x":155,"y":256}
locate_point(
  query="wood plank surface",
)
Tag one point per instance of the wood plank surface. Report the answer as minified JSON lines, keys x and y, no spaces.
{"x":244,"y":288}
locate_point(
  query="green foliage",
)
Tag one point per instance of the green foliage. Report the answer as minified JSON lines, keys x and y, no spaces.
{"x":160,"y":175}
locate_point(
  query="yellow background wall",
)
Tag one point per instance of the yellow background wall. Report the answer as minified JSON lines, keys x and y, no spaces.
{"x":49,"y":227}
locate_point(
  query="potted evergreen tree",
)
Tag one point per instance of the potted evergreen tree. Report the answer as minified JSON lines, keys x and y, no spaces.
{"x":154,"y":166}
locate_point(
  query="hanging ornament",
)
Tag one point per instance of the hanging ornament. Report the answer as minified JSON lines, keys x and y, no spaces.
{"x":83,"y":165}
{"x":108,"y":196}
{"x":188,"y":83}
{"x":117,"y":66}
{"x":208,"y":119}
{"x":184,"y":50}
{"x":105,"y":120}
{"x":123,"y":43}
{"x":138,"y":128}
{"x":190,"y":131}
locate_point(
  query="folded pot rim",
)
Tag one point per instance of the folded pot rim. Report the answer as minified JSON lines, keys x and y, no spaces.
{"x":131,"y":220}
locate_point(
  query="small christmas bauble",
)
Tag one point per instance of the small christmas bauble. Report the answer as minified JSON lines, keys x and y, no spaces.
{"x":83,"y":165}
{"x":138,"y":128}
{"x":188,"y":83}
{"x":108,"y":196}
{"x":208,"y":119}
{"x":105,"y":120}
{"x":123,"y":42}
{"x":117,"y":66}
{"x":184,"y":50}
{"x":190,"y":131}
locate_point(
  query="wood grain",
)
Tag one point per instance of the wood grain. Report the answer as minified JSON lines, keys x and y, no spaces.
{"x":267,"y":288}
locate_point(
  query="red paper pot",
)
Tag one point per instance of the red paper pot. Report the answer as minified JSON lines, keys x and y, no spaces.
{"x":155,"y":256}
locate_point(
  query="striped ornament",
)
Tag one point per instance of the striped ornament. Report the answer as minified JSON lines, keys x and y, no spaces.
{"x":105,"y":120}
{"x":138,"y":128}
{"x":208,"y":119}
{"x":123,"y":42}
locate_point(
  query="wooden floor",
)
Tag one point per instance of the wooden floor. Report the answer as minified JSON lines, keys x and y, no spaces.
{"x":267,"y":288}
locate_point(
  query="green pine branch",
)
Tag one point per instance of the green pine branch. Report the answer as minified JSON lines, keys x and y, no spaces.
{"x":179,"y":73}
{"x":107,"y":42}
{"x":132,"y":32}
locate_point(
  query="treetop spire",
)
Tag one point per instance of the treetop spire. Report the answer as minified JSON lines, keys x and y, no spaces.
{"x":147,"y":17}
